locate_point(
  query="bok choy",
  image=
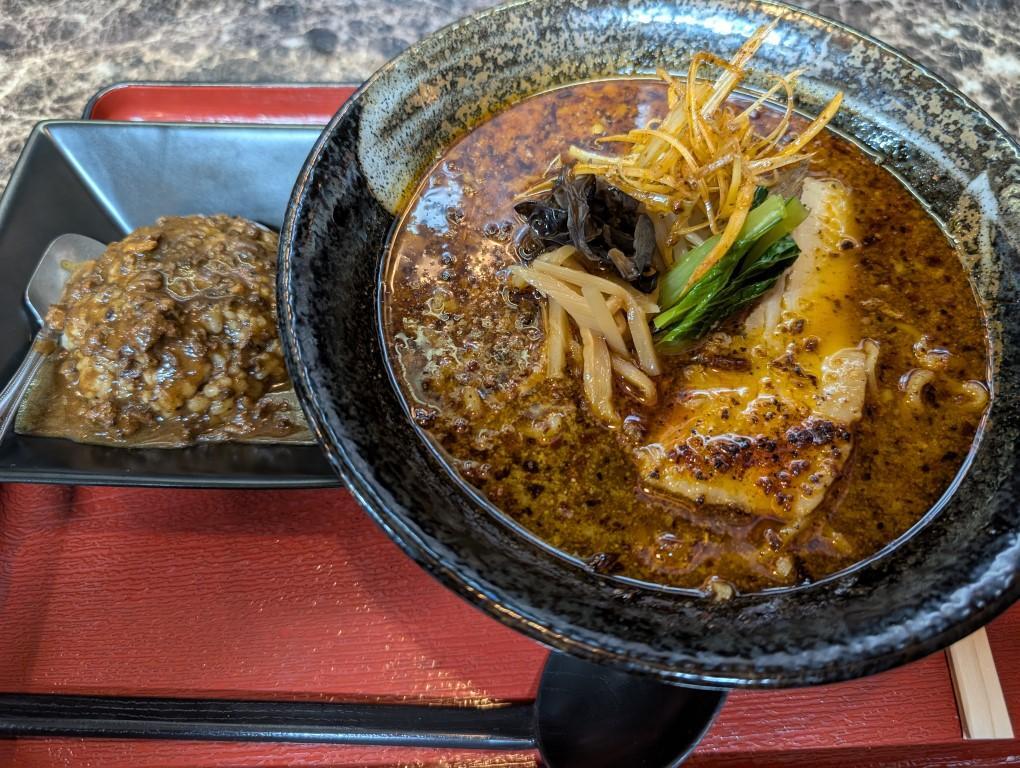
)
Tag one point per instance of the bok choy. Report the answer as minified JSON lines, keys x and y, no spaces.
{"x":761,"y":252}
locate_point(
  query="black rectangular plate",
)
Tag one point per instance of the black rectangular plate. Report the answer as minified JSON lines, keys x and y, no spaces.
{"x":104,"y":180}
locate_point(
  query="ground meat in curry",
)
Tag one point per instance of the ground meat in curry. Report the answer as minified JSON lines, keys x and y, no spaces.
{"x":173,"y":331}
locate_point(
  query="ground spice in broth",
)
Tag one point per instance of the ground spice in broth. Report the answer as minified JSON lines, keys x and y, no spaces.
{"x":468,"y":353}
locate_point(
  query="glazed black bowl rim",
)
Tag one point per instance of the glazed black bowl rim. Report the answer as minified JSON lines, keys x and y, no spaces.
{"x":419,"y":549}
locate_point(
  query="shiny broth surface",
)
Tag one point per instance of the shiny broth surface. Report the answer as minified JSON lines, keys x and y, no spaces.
{"x":468,"y":353}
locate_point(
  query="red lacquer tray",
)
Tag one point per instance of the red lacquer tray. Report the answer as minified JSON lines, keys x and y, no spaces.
{"x":297,"y":595}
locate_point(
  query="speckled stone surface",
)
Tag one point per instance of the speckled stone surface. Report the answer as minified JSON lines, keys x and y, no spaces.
{"x":54,"y":54}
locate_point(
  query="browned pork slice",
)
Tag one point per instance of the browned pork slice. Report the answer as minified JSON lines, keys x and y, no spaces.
{"x":764,"y":420}
{"x":770,"y":446}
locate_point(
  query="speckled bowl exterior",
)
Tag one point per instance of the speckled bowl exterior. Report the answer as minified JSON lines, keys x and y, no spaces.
{"x":951,"y":573}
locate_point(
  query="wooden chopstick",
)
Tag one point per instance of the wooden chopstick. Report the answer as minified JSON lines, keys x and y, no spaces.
{"x":979,"y":698}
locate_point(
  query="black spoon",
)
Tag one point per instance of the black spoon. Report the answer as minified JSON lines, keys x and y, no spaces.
{"x":586,"y":715}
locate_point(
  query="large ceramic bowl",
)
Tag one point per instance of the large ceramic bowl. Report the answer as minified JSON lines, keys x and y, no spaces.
{"x":952,"y":572}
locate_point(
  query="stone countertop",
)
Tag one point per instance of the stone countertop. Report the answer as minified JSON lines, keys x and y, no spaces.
{"x":55,"y":54}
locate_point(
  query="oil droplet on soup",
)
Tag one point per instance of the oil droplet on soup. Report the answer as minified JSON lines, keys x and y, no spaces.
{"x":468,"y":353}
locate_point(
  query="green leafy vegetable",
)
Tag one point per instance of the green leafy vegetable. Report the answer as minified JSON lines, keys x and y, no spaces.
{"x":761,"y":253}
{"x":761,"y":219}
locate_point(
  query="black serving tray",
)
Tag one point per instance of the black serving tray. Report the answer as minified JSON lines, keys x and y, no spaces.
{"x":103,"y":179}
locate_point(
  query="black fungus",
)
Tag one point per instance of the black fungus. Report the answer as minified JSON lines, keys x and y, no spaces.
{"x":601,"y":221}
